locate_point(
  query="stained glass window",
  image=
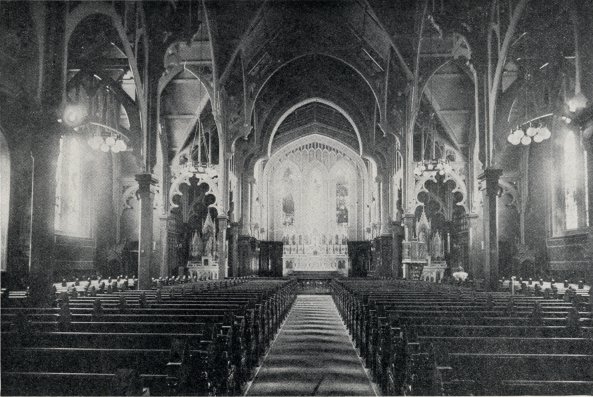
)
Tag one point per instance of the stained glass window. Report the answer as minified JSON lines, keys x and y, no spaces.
{"x":341,"y":202}
{"x":571,"y":180}
{"x":70,"y":216}
{"x":288,"y":200}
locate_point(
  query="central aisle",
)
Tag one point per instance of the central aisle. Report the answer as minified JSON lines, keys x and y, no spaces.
{"x":312,"y":355}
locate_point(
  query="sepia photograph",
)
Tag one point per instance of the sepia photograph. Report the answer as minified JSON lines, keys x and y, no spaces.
{"x":296,"y":197}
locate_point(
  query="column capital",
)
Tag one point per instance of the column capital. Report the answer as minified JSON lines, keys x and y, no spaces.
{"x":145,"y":181}
{"x":490,"y":177}
{"x":409,"y":216}
{"x":490,"y":174}
{"x":397,"y":228}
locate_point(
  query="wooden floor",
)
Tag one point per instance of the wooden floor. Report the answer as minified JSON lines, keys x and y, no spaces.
{"x":312,"y":355}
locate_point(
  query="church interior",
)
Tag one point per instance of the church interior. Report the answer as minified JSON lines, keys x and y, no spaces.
{"x":296,"y":197}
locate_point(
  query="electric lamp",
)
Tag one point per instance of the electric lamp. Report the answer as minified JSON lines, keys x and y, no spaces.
{"x":526,"y":140}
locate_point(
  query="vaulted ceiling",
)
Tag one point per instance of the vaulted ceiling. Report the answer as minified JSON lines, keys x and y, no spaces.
{"x":356,"y":56}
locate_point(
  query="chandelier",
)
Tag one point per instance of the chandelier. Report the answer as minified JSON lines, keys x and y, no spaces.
{"x":108,"y":139}
{"x":531,"y":131}
{"x":434,"y":166}
{"x":104,"y":137}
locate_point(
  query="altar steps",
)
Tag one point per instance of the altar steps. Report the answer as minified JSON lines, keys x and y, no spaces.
{"x":307,"y":275}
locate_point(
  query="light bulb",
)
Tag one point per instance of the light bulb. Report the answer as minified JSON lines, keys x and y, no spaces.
{"x":526,"y":140}
{"x":576,"y":103}
{"x":115,"y":149}
{"x":538,"y":138}
{"x":120,"y":145}
{"x":531,"y":131}
{"x":110,"y":140}
{"x":511,"y":138}
{"x":95,"y":142}
{"x":545,"y":133}
{"x":105,"y":148}
{"x":74,"y":114}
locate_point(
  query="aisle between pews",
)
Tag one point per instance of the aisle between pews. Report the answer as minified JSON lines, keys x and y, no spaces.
{"x":312,"y":355}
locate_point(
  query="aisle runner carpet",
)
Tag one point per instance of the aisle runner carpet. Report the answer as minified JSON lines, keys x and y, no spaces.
{"x":312,"y":355}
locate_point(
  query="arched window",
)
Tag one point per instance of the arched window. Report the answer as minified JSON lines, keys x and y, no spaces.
{"x":72,"y":211}
{"x":342,"y":201}
{"x":4,"y":199}
{"x":288,"y":200}
{"x":570,"y":201}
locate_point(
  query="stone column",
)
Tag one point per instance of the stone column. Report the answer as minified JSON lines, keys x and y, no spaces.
{"x":474,"y":244}
{"x":408,"y":222}
{"x":489,"y":180}
{"x":45,"y":154}
{"x":167,"y":259}
{"x":244,"y":255}
{"x":145,"y":225}
{"x":384,"y":192}
{"x":45,"y":144}
{"x":222,"y":222}
{"x":398,"y":232}
{"x":234,"y":250}
{"x":246,"y":204}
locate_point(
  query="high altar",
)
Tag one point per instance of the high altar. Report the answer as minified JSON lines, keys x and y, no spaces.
{"x":316,"y":253}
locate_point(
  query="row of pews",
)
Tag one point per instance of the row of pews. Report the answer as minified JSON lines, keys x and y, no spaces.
{"x":197,"y":338}
{"x":421,"y":338}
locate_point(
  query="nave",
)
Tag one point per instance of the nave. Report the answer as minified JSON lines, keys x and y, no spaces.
{"x":176,"y":176}
{"x":258,"y":336}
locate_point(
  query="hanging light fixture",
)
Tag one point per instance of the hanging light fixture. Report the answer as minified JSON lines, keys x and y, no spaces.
{"x":107,"y":139}
{"x":103,"y":137}
{"x":533,"y":130}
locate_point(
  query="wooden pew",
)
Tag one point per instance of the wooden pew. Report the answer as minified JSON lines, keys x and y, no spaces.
{"x":384,"y":317}
{"x":213,"y":362}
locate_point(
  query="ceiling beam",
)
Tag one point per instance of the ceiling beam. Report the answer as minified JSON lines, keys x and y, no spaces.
{"x":239,"y":47}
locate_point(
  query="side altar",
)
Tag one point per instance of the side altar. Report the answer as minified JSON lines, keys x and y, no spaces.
{"x":203,"y":258}
{"x":423,"y":257}
{"x":316,"y":253}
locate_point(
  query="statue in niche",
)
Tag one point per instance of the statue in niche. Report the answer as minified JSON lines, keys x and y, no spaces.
{"x":208,"y":237}
{"x":197,"y":246}
{"x":323,"y":239}
{"x":293,"y":240}
{"x":436,"y":246}
{"x":423,"y":228}
{"x":300,"y":239}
